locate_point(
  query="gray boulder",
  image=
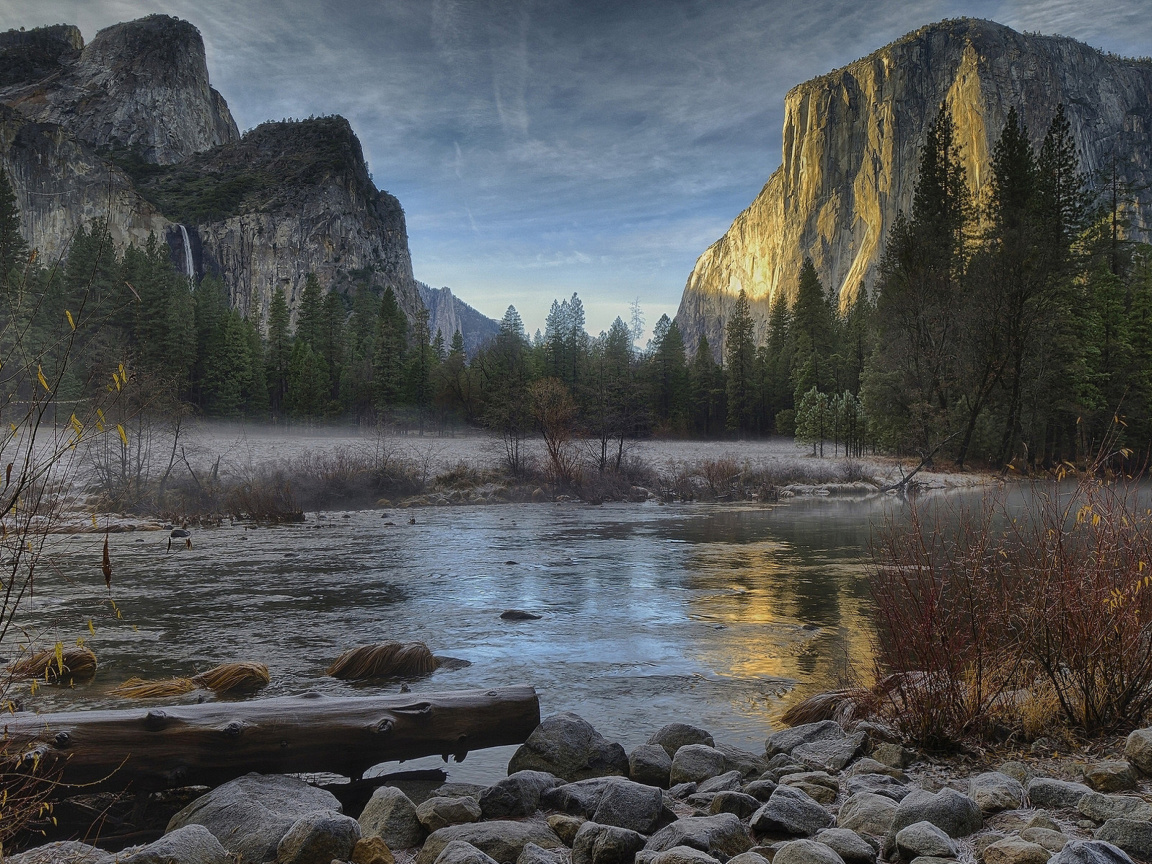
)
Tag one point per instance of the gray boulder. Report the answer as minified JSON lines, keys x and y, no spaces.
{"x":994,"y":792}
{"x":867,"y":813}
{"x":748,"y":764}
{"x":871,"y":766}
{"x":565,"y":826}
{"x":192,"y":844}
{"x":1089,"y":852}
{"x":790,"y":812}
{"x":761,"y":790}
{"x":676,"y":735}
{"x":70,"y":851}
{"x":1015,"y":850}
{"x":459,"y":852}
{"x":318,"y":838}
{"x":634,"y":806}
{"x":721,"y":836}
{"x":579,"y":799}
{"x":566,"y":745}
{"x":1101,"y":808}
{"x":502,"y":839}
{"x":849,"y":845}
{"x":682,"y":790}
{"x":831,"y":755}
{"x":878,"y":784}
{"x":725,"y":782}
{"x":749,"y":857}
{"x":1046,"y":792}
{"x":1131,"y":835}
{"x":806,"y":852}
{"x":459,"y":790}
{"x":1138,"y":750}
{"x":924,"y":838}
{"x":786,"y":740}
{"x":679,"y":855}
{"x":437,"y":813}
{"x":533,"y":854}
{"x":251,"y":814}
{"x":651,"y":765}
{"x":605,"y":844}
{"x":730,"y":801}
{"x":893,"y":755}
{"x":516,"y":795}
{"x":1017,"y":771}
{"x":391,"y":816}
{"x":956,"y":814}
{"x":1051,"y":840}
{"x":1040,"y":819}
{"x":1113,"y":776}
{"x":696,"y":762}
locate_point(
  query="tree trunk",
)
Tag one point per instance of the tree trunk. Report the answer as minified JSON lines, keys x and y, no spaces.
{"x":213,"y":742}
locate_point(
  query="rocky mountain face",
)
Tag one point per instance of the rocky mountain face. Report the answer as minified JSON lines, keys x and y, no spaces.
{"x":128,"y":129}
{"x":448,"y":313}
{"x":851,"y":147}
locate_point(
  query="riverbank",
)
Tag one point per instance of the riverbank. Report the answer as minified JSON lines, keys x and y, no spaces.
{"x":816,"y":794}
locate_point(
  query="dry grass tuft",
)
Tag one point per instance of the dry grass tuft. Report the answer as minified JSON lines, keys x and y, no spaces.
{"x":384,"y":660}
{"x":138,"y":688}
{"x":843,"y":706}
{"x":234,"y":678}
{"x":66,"y":666}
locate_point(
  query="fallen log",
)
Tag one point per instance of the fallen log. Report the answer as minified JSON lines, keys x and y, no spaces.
{"x":211,"y":743}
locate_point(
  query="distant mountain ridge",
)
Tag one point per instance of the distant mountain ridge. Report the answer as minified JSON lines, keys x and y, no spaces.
{"x":851,"y":143}
{"x":448,"y":313}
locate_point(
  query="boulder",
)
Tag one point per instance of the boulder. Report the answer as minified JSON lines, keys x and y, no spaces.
{"x":789,"y":812}
{"x":721,"y":836}
{"x":566,"y":745}
{"x":871,"y":766}
{"x":391,"y":816}
{"x":748,"y":764}
{"x":192,"y":844}
{"x":533,"y":854}
{"x":994,"y":792}
{"x":867,"y":813}
{"x":516,"y":795}
{"x":1046,"y":792}
{"x":676,"y":735}
{"x":1089,"y":852}
{"x":806,"y":852}
{"x":1138,"y":750}
{"x":1051,"y":840}
{"x":733,"y":802}
{"x":650,"y":764}
{"x":749,"y":857}
{"x":372,"y":850}
{"x":1016,"y":850}
{"x":437,"y":813}
{"x":1018,"y":771}
{"x":459,"y":790}
{"x":502,"y":839}
{"x":459,"y":852}
{"x":956,"y":814}
{"x":725,"y":782}
{"x":579,"y":799}
{"x":830,"y":755}
{"x":817,"y":792}
{"x":893,"y":755}
{"x":1132,"y":835}
{"x":849,"y":845}
{"x":786,"y":740}
{"x":924,"y":838}
{"x":696,"y":762}
{"x":682,"y":790}
{"x":812,"y":778}
{"x":605,"y":844}
{"x":1114,"y":776}
{"x":761,"y":790}
{"x":878,"y":784}
{"x":1040,"y":819}
{"x":625,"y":804}
{"x":679,"y":855}
{"x":565,"y":826}
{"x":70,"y":851}
{"x":251,"y":814}
{"x":1101,"y":808}
{"x":318,"y":838}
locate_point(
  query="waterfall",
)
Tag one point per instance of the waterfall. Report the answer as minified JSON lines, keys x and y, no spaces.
{"x":189,"y":267}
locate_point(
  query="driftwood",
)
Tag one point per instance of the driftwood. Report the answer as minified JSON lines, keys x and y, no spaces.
{"x":211,"y":743}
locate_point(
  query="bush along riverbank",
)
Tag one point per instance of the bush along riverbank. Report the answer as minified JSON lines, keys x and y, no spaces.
{"x":818,"y":794}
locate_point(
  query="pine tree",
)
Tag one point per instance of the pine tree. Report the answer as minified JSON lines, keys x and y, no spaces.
{"x":390,"y":353}
{"x":812,"y":332}
{"x":740,"y":357}
{"x":310,"y":315}
{"x":13,"y":249}
{"x":279,"y":350}
{"x":307,"y":381}
{"x":669,"y":372}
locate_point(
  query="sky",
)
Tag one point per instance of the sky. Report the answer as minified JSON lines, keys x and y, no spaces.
{"x":545,"y":147}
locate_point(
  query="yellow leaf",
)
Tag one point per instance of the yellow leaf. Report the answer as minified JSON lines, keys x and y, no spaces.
{"x":60,"y":657}
{"x":94,"y":525}
{"x":71,"y":322}
{"x":91,"y":629}
{"x":43,"y":380}
{"x":123,"y":437}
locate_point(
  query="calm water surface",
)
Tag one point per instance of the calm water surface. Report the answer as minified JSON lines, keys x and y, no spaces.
{"x":708,"y":614}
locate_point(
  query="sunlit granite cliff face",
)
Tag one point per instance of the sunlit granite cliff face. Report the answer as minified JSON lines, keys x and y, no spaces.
{"x":851,"y":148}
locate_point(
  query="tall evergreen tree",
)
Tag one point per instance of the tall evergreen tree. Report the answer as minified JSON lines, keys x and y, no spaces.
{"x":390,"y":353}
{"x":740,"y":357}
{"x":13,"y":248}
{"x":279,"y":350}
{"x":310,"y":315}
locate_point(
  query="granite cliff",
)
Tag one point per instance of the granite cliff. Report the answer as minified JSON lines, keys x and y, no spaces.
{"x":851,"y":146}
{"x":448,"y":313}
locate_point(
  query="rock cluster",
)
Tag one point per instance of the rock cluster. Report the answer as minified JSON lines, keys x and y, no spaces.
{"x":819,"y":794}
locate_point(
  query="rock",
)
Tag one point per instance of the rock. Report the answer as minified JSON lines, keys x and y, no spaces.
{"x":1040,"y":819}
{"x":761,"y":790}
{"x":1046,"y":792}
{"x":721,"y":836}
{"x":192,"y":844}
{"x":1111,"y":777}
{"x":956,"y":814}
{"x":1101,"y":808}
{"x":625,"y":804}
{"x":733,"y":802}
{"x":251,"y":814}
{"x":702,"y":800}
{"x":459,"y":790}
{"x":318,"y":838}
{"x":566,"y":745}
{"x":849,"y":845}
{"x":983,"y":841}
{"x":1089,"y":852}
{"x":565,"y":826}
{"x":696,"y":762}
{"x":812,"y":778}
{"x":924,"y":838}
{"x":871,"y":766}
{"x":459,"y":852}
{"x":650,"y":764}
{"x":516,"y":795}
{"x":867,"y":813}
{"x":1015,"y":850}
{"x":676,"y":735}
{"x":994,"y":792}
{"x":605,"y":844}
{"x":372,"y":850}
{"x":1138,"y":750}
{"x":1018,"y":771}
{"x":806,"y":852}
{"x":502,"y":839}
{"x":437,"y":813}
{"x":391,"y":816}
{"x":519,"y":615}
{"x":580,"y":798}
{"x":1051,"y":840}
{"x":682,"y":790}
{"x":725,"y":782}
{"x":61,"y":851}
{"x":878,"y":784}
{"x":789,"y":812}
{"x":1132,"y":835}
{"x":749,"y":857}
{"x":830,"y":755}
{"x":748,"y":764}
{"x":786,"y":740}
{"x":533,"y":854}
{"x":818,"y":792}
{"x":681,"y":855}
{"x":893,"y":755}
